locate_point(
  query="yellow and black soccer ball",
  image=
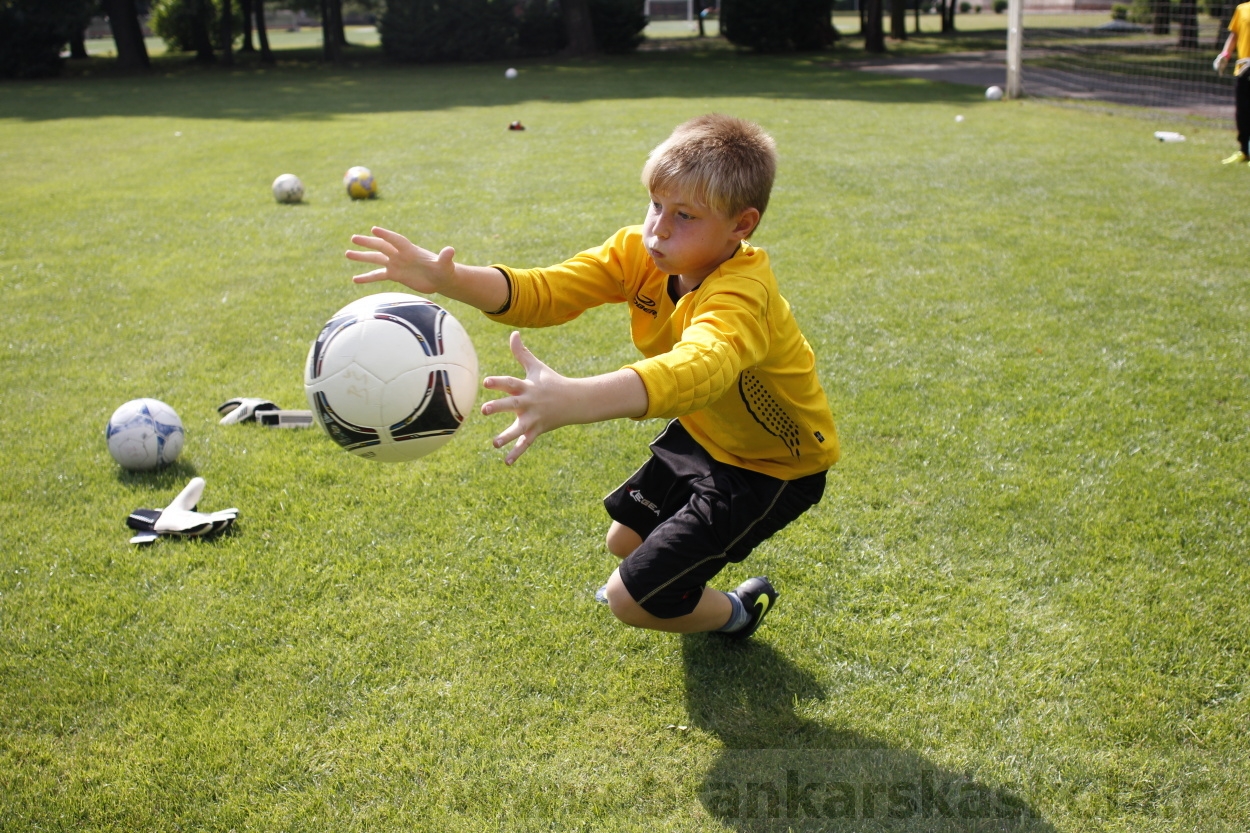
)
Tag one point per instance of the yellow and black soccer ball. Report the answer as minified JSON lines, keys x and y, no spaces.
{"x":360,"y":183}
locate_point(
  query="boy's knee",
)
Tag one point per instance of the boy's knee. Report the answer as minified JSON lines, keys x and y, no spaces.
{"x":622,"y":604}
{"x":622,"y":540}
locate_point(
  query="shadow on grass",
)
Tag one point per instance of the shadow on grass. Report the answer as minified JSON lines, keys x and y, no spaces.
{"x":173,"y":476}
{"x":302,"y":89}
{"x":783,"y":772}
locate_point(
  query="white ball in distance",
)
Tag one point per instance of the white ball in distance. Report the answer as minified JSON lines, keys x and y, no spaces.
{"x":994,"y":93}
{"x":509,"y":73}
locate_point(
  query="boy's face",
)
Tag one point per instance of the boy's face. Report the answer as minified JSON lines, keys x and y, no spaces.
{"x":689,"y":239}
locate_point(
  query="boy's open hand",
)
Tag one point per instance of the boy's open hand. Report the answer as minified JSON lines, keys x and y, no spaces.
{"x":544,"y":400}
{"x":403,"y":261}
{"x":538,"y":401}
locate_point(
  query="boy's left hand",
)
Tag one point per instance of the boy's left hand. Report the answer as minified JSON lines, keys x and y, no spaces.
{"x":544,"y":400}
{"x":537,"y":401}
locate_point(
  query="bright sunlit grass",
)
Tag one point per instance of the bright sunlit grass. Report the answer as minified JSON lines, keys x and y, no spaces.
{"x":1029,"y":571}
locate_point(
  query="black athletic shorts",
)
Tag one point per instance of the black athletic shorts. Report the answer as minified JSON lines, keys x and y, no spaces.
{"x":695,"y":515}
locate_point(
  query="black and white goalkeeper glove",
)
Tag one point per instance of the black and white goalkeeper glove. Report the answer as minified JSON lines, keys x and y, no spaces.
{"x":180,"y":517}
{"x":243,"y":409}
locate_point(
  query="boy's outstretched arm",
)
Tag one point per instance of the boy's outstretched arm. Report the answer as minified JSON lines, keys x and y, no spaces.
{"x":400,"y":260}
{"x":544,"y":400}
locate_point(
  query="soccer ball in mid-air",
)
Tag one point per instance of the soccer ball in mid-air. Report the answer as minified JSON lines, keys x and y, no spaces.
{"x":144,"y":434}
{"x":994,"y":93}
{"x":360,"y":183}
{"x":288,"y":188}
{"x":391,"y":377}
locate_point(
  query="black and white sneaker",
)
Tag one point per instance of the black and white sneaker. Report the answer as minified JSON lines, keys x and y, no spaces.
{"x":758,"y":597}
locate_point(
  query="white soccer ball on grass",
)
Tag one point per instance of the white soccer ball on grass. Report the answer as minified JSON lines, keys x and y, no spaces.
{"x":144,"y":434}
{"x":994,"y":93}
{"x":288,"y":188}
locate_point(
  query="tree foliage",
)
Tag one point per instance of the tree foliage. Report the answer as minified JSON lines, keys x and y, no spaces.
{"x":32,"y":33}
{"x":177,"y":22}
{"x":778,"y":25}
{"x":618,"y":24}
{"x":426,"y":31}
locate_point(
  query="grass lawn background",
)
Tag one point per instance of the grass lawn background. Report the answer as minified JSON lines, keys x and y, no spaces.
{"x":1029,"y":571}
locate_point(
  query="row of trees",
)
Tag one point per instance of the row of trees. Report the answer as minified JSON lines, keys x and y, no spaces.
{"x":33,"y":32}
{"x":1161,"y":14}
{"x":475,"y":30}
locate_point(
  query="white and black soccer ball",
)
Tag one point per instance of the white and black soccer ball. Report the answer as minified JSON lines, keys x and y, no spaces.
{"x":391,"y":377}
{"x":144,"y":434}
{"x":288,"y":188}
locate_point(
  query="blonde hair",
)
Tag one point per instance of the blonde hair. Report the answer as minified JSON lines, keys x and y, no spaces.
{"x":725,"y":163}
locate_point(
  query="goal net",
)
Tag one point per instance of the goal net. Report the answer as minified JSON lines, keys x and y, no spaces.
{"x":1166,"y":66}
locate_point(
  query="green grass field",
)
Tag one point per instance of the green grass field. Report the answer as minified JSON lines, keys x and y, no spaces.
{"x":1027,"y":582}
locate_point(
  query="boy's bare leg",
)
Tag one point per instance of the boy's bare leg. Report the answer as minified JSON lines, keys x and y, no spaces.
{"x":711,"y":613}
{"x":622,"y":540}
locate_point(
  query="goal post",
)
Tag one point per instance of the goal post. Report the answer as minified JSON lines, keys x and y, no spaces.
{"x":1015,"y":46}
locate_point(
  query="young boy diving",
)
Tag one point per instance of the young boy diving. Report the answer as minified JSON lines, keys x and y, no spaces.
{"x":750,"y":435}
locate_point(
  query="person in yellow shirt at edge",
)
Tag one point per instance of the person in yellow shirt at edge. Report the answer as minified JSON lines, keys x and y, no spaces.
{"x":750,"y":435}
{"x":1239,"y":38}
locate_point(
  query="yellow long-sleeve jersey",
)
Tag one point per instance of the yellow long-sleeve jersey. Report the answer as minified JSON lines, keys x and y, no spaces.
{"x":1240,"y":26}
{"x":728,"y":358}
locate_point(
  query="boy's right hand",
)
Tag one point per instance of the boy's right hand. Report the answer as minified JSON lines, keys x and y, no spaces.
{"x":403,"y":261}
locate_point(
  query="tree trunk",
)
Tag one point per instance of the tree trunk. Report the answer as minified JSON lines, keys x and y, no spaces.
{"x":898,"y":19}
{"x":1189,"y":25}
{"x":874,"y":34}
{"x":948,"y":16}
{"x":578,"y":29}
{"x":917,"y":14}
{"x":262,"y":34}
{"x":132,"y":52}
{"x":1161,"y":17}
{"x":203,"y":42}
{"x":78,"y":45}
{"x":331,"y":48}
{"x":245,"y":6}
{"x":226,"y":31}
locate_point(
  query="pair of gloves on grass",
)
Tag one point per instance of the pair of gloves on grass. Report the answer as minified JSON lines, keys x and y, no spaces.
{"x":180,"y":518}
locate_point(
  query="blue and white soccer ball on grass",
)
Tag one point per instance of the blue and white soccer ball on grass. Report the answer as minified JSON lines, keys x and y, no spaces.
{"x":144,"y":434}
{"x":391,"y":377}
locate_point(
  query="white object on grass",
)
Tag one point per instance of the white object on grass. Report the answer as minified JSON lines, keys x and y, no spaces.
{"x":144,"y":434}
{"x":286,"y":419}
{"x":994,"y":93}
{"x":180,"y":517}
{"x":288,"y":188}
{"x":1168,"y":136}
{"x":243,"y":409}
